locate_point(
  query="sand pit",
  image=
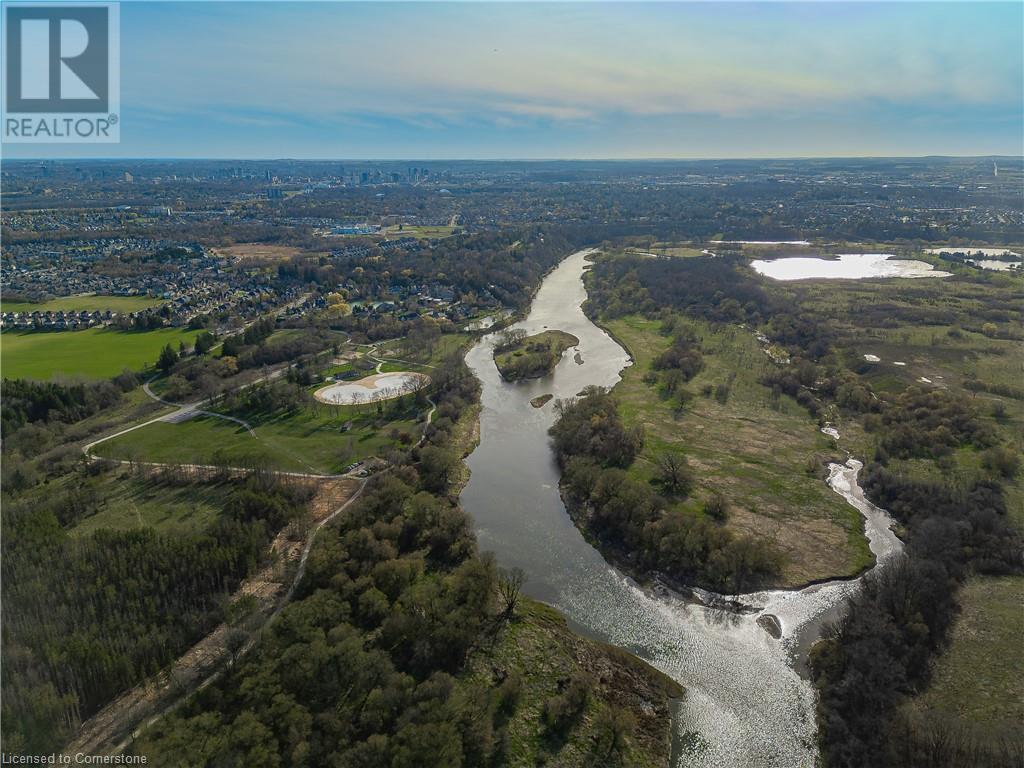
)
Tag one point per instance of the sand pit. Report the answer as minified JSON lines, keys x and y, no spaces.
{"x":370,"y":389}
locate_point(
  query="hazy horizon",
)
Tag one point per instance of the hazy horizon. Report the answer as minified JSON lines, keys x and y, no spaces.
{"x":614,"y":81}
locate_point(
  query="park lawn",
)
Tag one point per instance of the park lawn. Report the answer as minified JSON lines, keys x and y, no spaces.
{"x":756,"y":453}
{"x":133,"y":502}
{"x":538,"y":646}
{"x":433,"y":354}
{"x":95,"y":353}
{"x":311,"y":440}
{"x":89,"y":302}
{"x":979,"y":678}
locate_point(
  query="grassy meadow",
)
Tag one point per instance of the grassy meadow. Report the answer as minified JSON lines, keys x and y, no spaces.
{"x":979,"y":679}
{"x":312,"y":440}
{"x":90,"y":302}
{"x":95,"y":353}
{"x":754,"y":452}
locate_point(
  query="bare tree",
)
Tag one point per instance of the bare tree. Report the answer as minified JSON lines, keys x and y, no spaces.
{"x":510,"y":587}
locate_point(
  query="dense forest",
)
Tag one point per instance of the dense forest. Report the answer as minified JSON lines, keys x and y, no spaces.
{"x":86,"y":616}
{"x":636,"y":521}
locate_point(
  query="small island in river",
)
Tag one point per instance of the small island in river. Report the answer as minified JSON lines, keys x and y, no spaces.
{"x":519,"y":356}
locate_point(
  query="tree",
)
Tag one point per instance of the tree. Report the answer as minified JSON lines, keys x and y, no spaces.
{"x":717,"y":508}
{"x":204,"y":343}
{"x":510,"y":585}
{"x":168,"y":357}
{"x":614,"y":727}
{"x":674,"y":472}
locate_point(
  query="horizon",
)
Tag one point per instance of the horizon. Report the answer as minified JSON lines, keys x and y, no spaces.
{"x":412,"y":158}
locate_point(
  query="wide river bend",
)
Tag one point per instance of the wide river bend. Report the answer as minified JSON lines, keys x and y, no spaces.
{"x":746,"y":705}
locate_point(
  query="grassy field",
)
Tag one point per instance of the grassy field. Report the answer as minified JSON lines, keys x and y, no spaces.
{"x":540,"y":646}
{"x":313,"y":440}
{"x":876,"y":318}
{"x":95,"y":353}
{"x":89,"y":302}
{"x":132,"y":502}
{"x":980,"y":678}
{"x":433,"y":353}
{"x":412,"y":230}
{"x":259,"y":251}
{"x":754,"y":452}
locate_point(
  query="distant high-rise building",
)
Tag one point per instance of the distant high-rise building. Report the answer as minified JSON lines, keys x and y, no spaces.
{"x":128,"y":177}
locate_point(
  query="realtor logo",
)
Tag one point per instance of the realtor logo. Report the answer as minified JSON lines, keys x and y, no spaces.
{"x":61,"y":72}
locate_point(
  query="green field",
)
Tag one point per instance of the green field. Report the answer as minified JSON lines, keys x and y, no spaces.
{"x":89,"y":302}
{"x":95,"y":353}
{"x":136,"y":503}
{"x":979,"y":679}
{"x":754,"y":452}
{"x":312,"y":440}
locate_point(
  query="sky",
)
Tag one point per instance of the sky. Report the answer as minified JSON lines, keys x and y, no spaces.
{"x":434,"y":80}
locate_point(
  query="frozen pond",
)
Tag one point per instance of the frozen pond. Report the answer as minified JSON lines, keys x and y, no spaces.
{"x":379,"y":386}
{"x":845,"y":266}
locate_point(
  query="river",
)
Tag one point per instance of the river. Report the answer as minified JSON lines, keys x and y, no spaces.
{"x":746,"y":703}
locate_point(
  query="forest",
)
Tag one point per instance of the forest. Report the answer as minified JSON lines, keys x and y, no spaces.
{"x":88,"y":616}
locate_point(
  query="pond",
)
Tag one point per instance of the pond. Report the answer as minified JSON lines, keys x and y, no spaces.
{"x":845,"y":266}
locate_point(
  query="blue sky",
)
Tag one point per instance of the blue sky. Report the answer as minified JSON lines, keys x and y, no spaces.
{"x":595,"y":80}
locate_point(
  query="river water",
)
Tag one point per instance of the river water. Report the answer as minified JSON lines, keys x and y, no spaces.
{"x":746,"y":704}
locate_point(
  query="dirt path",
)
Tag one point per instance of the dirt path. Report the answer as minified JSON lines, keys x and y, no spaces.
{"x":114,"y":727}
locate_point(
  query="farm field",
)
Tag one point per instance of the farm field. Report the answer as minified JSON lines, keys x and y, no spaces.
{"x":87,"y":302}
{"x":95,"y":353}
{"x":767,"y":459}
